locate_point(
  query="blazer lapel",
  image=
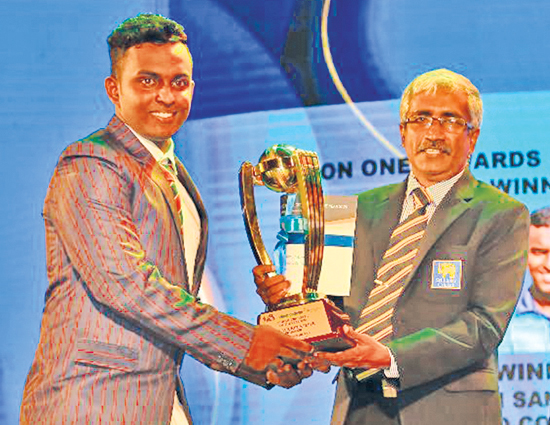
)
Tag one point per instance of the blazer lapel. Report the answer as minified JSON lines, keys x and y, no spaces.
{"x":387,"y":215}
{"x":376,"y":220}
{"x":453,"y":206}
{"x":123,"y":139}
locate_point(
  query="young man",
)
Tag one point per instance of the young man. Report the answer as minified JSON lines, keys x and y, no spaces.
{"x":126,"y":236}
{"x":438,"y":265}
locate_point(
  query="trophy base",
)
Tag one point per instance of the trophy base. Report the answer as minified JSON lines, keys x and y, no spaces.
{"x":317,"y":322}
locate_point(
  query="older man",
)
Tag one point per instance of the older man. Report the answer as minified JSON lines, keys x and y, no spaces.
{"x":438,"y":265}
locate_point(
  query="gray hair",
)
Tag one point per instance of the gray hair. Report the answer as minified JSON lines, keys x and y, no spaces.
{"x":446,"y":80}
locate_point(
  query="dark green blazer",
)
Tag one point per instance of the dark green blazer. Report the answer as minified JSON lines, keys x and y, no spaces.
{"x":444,"y":338}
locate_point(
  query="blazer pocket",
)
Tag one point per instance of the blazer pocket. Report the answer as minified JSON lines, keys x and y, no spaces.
{"x":102,"y":355}
{"x":481,"y":380}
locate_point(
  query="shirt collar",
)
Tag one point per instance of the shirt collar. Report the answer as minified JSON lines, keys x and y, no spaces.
{"x":526,"y":302}
{"x":436,"y":191}
{"x":154,"y":150}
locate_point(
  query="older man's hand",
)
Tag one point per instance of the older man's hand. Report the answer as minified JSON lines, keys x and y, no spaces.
{"x":367,"y":352}
{"x":271,"y":287}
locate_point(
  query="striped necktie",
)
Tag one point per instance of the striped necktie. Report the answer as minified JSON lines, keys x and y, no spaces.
{"x":395,"y":266}
{"x":171,"y":175}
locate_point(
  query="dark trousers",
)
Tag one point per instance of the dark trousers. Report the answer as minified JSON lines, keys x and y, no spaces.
{"x":369,"y":406}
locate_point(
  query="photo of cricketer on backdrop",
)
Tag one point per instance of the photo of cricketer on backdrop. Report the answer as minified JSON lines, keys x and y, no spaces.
{"x":438,"y":265}
{"x":529,"y":330}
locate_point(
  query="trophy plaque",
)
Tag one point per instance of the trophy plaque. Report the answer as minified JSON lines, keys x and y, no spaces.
{"x":307,"y":315}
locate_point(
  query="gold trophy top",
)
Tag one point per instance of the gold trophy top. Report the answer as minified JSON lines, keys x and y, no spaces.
{"x":276,"y":169}
{"x":284,"y":168}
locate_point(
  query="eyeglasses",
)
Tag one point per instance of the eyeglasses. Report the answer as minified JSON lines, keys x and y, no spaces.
{"x":450,"y":124}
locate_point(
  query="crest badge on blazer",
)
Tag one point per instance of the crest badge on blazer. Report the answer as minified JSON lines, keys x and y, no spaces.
{"x":446,"y":274}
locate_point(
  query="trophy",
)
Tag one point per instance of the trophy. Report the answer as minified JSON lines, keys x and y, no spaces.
{"x":308,"y":314}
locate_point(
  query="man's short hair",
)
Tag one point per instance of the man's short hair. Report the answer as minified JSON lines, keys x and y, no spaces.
{"x":445,"y":80}
{"x":541,"y":217}
{"x":144,"y":28}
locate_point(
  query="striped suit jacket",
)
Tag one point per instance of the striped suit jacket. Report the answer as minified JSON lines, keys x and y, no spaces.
{"x":120,"y":312}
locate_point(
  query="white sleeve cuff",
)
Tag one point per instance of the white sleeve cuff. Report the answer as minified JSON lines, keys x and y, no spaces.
{"x":392,"y":372}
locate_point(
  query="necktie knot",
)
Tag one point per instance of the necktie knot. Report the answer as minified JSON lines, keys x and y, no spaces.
{"x":169,"y":165}
{"x":421,"y":199}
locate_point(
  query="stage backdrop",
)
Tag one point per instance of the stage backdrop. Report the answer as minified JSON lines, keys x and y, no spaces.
{"x":322,"y":76}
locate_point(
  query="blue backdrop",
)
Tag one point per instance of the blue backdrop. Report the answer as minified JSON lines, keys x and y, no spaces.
{"x":262,"y":78}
